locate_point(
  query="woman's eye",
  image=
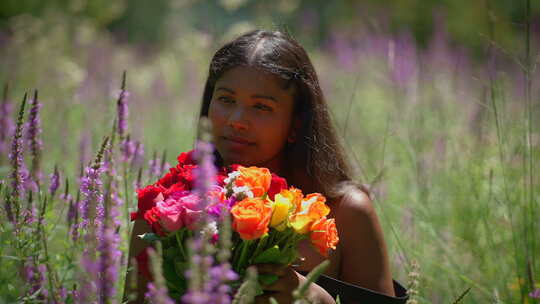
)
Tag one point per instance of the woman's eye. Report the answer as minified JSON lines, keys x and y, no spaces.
{"x":263,"y":107}
{"x":225,"y":99}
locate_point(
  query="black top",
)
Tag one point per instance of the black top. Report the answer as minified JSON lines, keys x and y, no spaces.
{"x":349,"y":293}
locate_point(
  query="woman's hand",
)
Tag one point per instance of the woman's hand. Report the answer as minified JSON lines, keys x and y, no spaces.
{"x":282,"y":289}
{"x":288,"y":281}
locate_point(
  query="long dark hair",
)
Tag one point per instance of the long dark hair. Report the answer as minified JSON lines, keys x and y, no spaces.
{"x":316,"y":161}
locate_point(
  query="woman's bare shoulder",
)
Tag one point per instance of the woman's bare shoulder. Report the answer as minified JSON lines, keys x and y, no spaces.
{"x":354,"y":201}
{"x":364,"y":260}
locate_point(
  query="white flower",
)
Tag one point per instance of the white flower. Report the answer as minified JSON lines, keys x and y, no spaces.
{"x":210,"y":229}
{"x":231,"y":177}
{"x":244,"y":190}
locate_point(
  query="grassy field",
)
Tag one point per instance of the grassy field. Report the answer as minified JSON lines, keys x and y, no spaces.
{"x":449,"y":146}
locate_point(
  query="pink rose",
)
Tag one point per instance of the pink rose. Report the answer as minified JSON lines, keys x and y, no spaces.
{"x":181,"y":209}
{"x":170,"y":214}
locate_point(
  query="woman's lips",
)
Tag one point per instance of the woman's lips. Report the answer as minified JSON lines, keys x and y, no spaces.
{"x":237,"y":142}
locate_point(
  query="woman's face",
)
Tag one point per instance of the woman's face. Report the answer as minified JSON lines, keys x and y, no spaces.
{"x":251,"y":117}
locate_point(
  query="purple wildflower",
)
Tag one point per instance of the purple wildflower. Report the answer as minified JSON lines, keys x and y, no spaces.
{"x":157,"y":295}
{"x":42,"y":270}
{"x":29,"y":215}
{"x":109,"y":262}
{"x":402,"y":60}
{"x":205,"y":173}
{"x":138,"y":154}
{"x":33,"y":137}
{"x":127,"y":149}
{"x":63,"y":293}
{"x":16,"y":158}
{"x":88,"y":277}
{"x":73,"y":218}
{"x":157,"y":291}
{"x":137,"y":184}
{"x":35,"y":278}
{"x":122,"y":112}
{"x":28,"y":183}
{"x":220,"y":275}
{"x":344,"y":51}
{"x":154,"y":166}
{"x":535,"y":294}
{"x":213,"y":280}
{"x":207,"y":283}
{"x":91,"y":190}
{"x":55,"y":181}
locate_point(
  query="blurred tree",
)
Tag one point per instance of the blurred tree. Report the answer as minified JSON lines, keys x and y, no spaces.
{"x":149,"y":22}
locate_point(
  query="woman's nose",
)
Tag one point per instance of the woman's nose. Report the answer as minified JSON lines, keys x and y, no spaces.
{"x":238,"y":120}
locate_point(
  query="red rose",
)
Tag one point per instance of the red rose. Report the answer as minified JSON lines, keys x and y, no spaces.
{"x":168,"y":179}
{"x":234,"y":167}
{"x":146,"y":197}
{"x":186,"y":158}
{"x":152,"y":218}
{"x":186,"y":175}
{"x":276,"y":185}
{"x":178,"y":187}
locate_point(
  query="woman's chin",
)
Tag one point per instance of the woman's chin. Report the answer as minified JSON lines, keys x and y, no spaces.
{"x":235,"y":158}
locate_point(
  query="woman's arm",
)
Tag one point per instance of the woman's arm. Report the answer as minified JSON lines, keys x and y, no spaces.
{"x":136,"y":245}
{"x":364,"y":258}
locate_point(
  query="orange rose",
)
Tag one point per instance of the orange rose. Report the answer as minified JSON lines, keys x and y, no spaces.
{"x":315,"y":204}
{"x":295,"y":196}
{"x":257,"y":179}
{"x":310,"y":209}
{"x":251,"y":217}
{"x":324,"y":235}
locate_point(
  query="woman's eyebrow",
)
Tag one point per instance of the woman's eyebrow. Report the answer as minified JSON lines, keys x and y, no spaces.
{"x":264,"y":97}
{"x":225,"y":89}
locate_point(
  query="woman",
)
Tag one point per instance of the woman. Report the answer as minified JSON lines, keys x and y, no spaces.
{"x":267,"y":109}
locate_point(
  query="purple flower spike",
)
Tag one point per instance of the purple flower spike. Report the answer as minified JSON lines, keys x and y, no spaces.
{"x":138,"y":154}
{"x":122,"y":112}
{"x":73,"y":218}
{"x":33,"y":137}
{"x":91,"y":190}
{"x":88,"y":277}
{"x":206,"y":171}
{"x":157,"y":295}
{"x":109,"y":262}
{"x":535,"y":294}
{"x":154,"y":166}
{"x":16,"y":159}
{"x":127,"y":149}
{"x":55,"y":181}
{"x":35,"y":278}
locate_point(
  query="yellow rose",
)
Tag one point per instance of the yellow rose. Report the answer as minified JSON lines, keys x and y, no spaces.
{"x":281,"y":208}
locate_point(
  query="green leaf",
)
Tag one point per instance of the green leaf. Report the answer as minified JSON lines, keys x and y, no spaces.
{"x":181,"y":267}
{"x":171,"y":253}
{"x":175,"y":282}
{"x":270,"y":255}
{"x":149,"y":237}
{"x":267,"y":278}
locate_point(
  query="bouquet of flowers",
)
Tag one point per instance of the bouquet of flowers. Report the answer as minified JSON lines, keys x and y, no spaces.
{"x":267,"y":218}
